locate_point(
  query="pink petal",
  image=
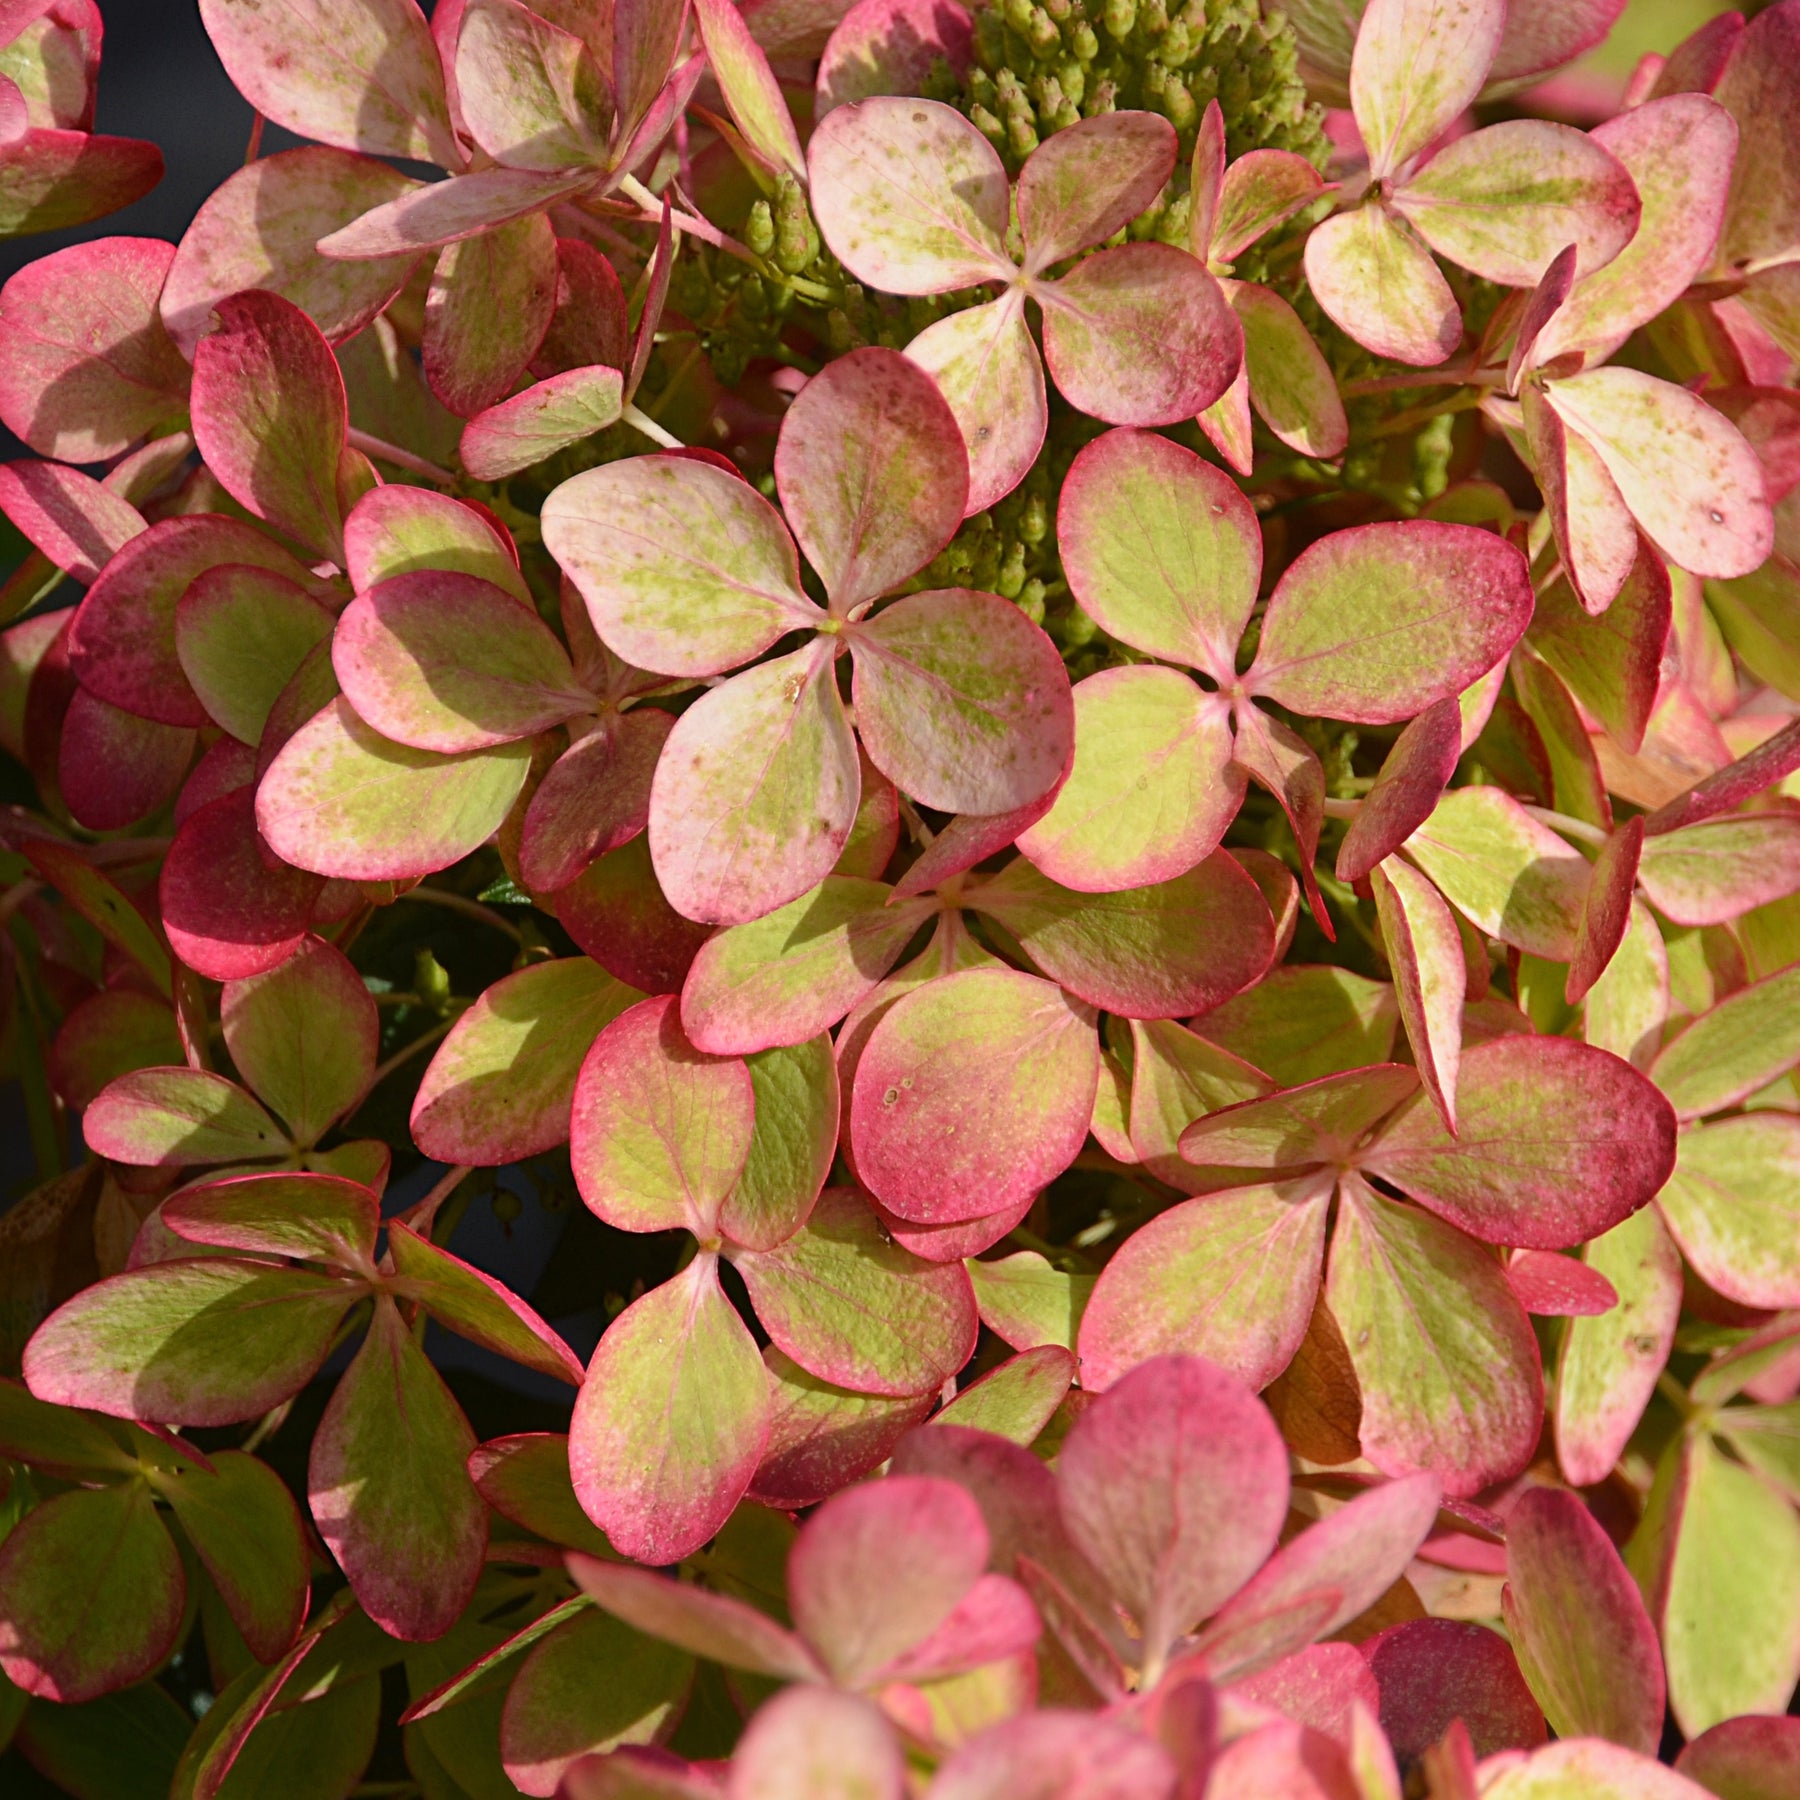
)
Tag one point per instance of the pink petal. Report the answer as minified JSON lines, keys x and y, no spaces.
{"x":259,"y":229}
{"x":1291,"y":384}
{"x":1232,"y":1277}
{"x":487,"y":311}
{"x":660,"y":1130}
{"x":595,"y":797}
{"x":123,"y":643}
{"x":1086,"y":182}
{"x":445,"y":212}
{"x":672,"y":1420}
{"x":1748,"y":1752}
{"x":1362,"y":624}
{"x":1425,"y":951}
{"x":1417,"y":65}
{"x":1503,"y":202}
{"x":968,"y":839}
{"x":910,"y":197}
{"x":822,"y":1438}
{"x":756,"y":790}
{"x":1557,"y":1142}
{"x":1606,"y":912}
{"x":1412,"y":779}
{"x":230,"y":909}
{"x":316,"y":1216}
{"x":928,"y":1528}
{"x":961,"y":701}
{"x":994,"y":1620}
{"x":615,"y":911}
{"x":1376,"y":280}
{"x":999,"y":1056}
{"x":69,"y":516}
{"x":1434,"y":1671}
{"x":815,"y":1739}
{"x":1559,"y":1287}
{"x":685,"y":569}
{"x":1156,"y":952}
{"x":1612,"y":663}
{"x":1686,"y":473}
{"x":109,"y":1034}
{"x":872,"y":474}
{"x":1316,"y":1122}
{"x":1139,"y":335}
{"x":531,"y":94}
{"x":986,"y":365}
{"x":1353,"y":1556}
{"x":56,"y":179}
{"x":1596,"y":534}
{"x":447,"y":662}
{"x":533,"y":426}
{"x":1161,"y":548}
{"x":888,"y":47}
{"x":115,"y":768}
{"x":389,"y":1490}
{"x":87,"y":368}
{"x":1679,"y":153}
{"x":401,"y":530}
{"x":956,"y":1241}
{"x":717,"y":1626}
{"x":361,"y":76}
{"x":1058,"y":1755}
{"x":1540,"y":310}
{"x":1175,"y":1485}
{"x":751,"y":91}
{"x":1756,"y":88}
{"x":1318,"y":1688}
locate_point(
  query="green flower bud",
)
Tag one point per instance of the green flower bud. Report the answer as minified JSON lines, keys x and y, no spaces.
{"x":759,"y":232}
{"x":796,"y":237}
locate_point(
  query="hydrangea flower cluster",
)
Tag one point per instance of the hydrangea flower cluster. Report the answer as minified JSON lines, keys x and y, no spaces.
{"x":1074,"y":730}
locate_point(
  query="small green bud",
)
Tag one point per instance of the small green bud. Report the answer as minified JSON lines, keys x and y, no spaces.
{"x":1010,"y":582}
{"x":1031,"y":600}
{"x":759,"y":233}
{"x":1034,"y":519}
{"x":796,"y":237}
{"x":1120,"y":17}
{"x":507,"y":1206}
{"x":1079,"y":627}
{"x":1083,"y":45}
{"x":430,"y":981}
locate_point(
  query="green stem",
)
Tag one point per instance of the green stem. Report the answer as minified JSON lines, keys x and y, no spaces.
{"x":461,"y":903}
{"x":400,"y":1057}
{"x":641,"y":421}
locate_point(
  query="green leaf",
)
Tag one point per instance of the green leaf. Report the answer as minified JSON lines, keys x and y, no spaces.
{"x":1015,"y":1400}
{"x":206,"y":1342}
{"x":589,"y":1687}
{"x":98,"y":900}
{"x":659,"y":1131}
{"x":57,"y":1439}
{"x":242,"y":633}
{"x":851,"y":1306}
{"x":1610,"y":1361}
{"x":1514,"y":878}
{"x":1379,"y":622}
{"x":791,"y":1146}
{"x":500,"y":1086}
{"x":672,"y":1420}
{"x":1733,"y":1204}
{"x":1231,"y":1277}
{"x":245,"y":1528}
{"x":123,"y":1746}
{"x":91,"y":1593}
{"x":796,"y":971}
{"x":1625,"y":1009}
{"x":389,"y":1486}
{"x":304,"y":1037}
{"x":1150,"y":952}
{"x":1176,"y":1078}
{"x":1725,"y":1588}
{"x":1161,"y":548}
{"x":1443,"y":1352}
{"x":476,"y":1306}
{"x":1305,"y":1020}
{"x":342,"y":800}
{"x":1742,"y":1044}
{"x":685,"y":568}
{"x":1151,"y":789}
{"x":1768,"y":1439}
{"x":1026,"y":1302}
{"x":526,"y":1479}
